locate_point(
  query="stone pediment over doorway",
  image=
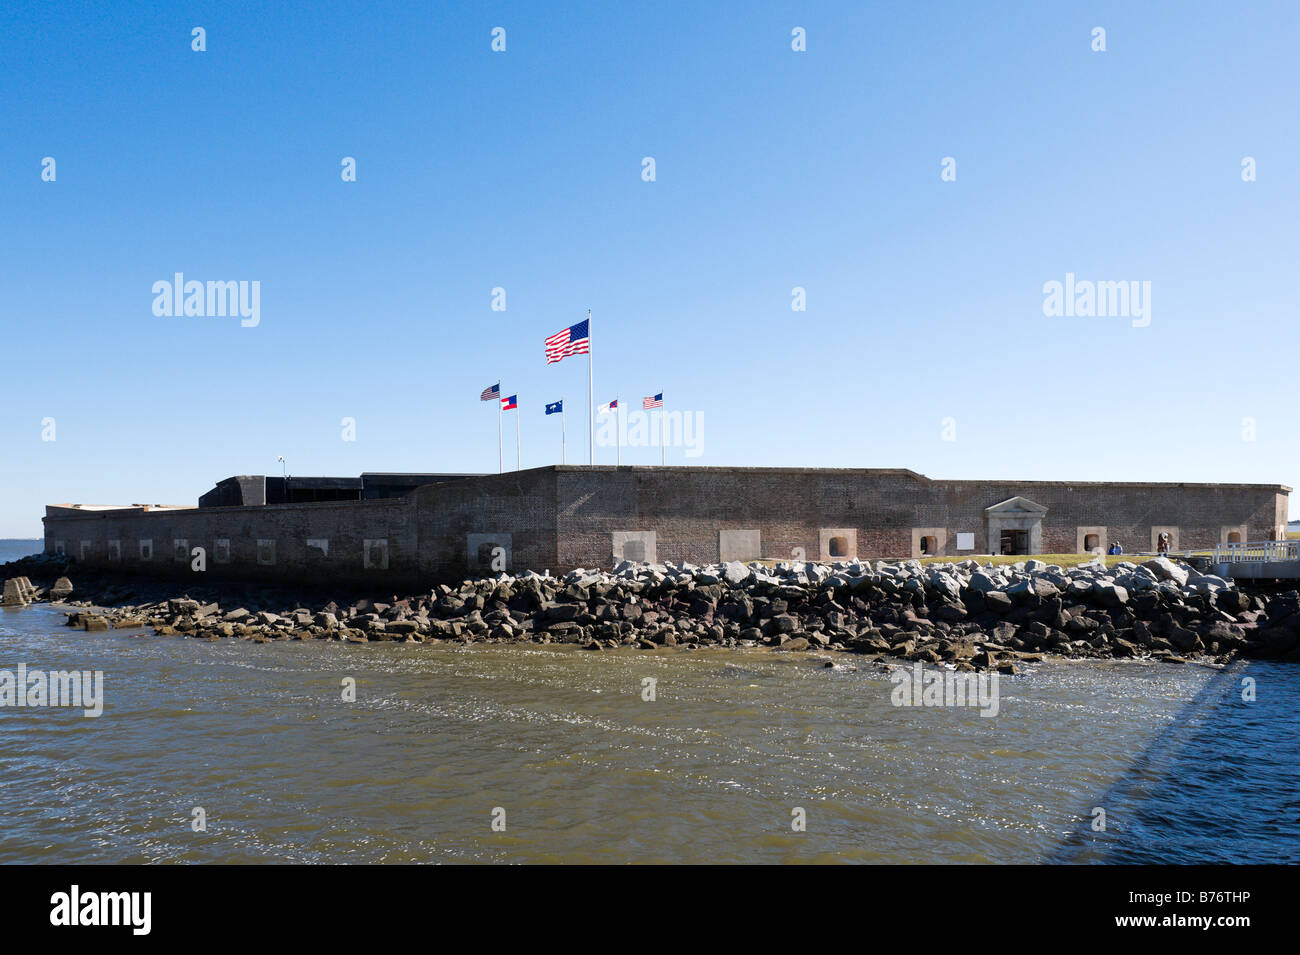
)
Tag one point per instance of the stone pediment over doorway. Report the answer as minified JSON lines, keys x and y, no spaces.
{"x":1014,"y":506}
{"x":1015,"y":526}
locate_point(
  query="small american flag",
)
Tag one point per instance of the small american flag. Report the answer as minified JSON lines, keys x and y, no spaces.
{"x":574,"y":340}
{"x":491,"y":392}
{"x":654,"y":401}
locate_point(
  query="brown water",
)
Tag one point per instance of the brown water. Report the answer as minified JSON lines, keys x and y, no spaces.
{"x":561,"y":739}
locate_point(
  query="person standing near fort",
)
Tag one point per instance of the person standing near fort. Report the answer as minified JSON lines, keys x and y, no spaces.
{"x":1162,"y":543}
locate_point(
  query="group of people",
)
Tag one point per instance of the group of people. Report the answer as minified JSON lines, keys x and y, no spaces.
{"x":1162,"y":546}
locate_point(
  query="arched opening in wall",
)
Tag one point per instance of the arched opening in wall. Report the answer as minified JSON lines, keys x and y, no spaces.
{"x":634,"y":551}
{"x":929,"y":546}
{"x":839,"y":547}
{"x":1234,"y":537}
{"x":1091,"y":542}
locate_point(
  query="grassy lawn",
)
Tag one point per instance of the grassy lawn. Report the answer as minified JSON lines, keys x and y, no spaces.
{"x":1293,"y":535}
{"x":1061,"y":560}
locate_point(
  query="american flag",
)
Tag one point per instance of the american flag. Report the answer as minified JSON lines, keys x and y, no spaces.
{"x":492,"y":392}
{"x":574,"y":340}
{"x":655,"y":401}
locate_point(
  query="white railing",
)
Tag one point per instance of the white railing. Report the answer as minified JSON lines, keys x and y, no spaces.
{"x":1257,"y":551}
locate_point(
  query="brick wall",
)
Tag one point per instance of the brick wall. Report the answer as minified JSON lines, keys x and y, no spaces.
{"x":346,"y":526}
{"x":686,"y":507}
{"x":562,"y":517}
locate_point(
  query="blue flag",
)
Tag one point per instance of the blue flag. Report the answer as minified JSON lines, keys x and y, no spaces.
{"x":555,"y":407}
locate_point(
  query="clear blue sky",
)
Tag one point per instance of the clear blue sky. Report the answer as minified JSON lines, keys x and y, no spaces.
{"x":522,"y":169}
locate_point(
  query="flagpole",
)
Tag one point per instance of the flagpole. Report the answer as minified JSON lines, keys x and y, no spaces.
{"x":618,"y":432}
{"x":591,"y":401}
{"x":501,"y":462}
{"x":564,"y":459}
{"x":663,"y":454}
{"x":517,"y":436}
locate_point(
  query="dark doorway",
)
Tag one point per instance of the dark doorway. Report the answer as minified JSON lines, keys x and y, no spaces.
{"x":1015,"y":542}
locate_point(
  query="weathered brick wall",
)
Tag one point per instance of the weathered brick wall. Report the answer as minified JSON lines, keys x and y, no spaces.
{"x":1127,"y":511}
{"x":345,"y":525}
{"x":515,"y":509}
{"x":686,"y":507}
{"x":558,"y":518}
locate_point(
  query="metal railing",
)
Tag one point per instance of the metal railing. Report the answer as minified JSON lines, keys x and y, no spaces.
{"x":1256,"y":552}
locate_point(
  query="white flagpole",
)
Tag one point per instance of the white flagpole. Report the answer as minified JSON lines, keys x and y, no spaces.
{"x":591,"y":400}
{"x":501,"y":462}
{"x":564,"y":457}
{"x":618,"y":432}
{"x":663,"y":454}
{"x":517,"y":436}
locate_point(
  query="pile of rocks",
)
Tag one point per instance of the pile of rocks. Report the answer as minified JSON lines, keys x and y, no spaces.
{"x":964,"y":614}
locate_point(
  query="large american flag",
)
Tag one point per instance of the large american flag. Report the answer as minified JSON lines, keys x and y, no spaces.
{"x":574,"y":340}
{"x":654,"y":401}
{"x":490,"y":392}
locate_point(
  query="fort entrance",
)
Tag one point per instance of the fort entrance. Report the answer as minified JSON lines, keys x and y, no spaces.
{"x":1014,"y":542}
{"x":1016,"y":526}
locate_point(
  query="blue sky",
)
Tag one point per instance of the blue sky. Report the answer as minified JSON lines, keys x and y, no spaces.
{"x":522,"y":170}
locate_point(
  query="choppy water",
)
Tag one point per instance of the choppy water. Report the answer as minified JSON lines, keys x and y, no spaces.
{"x":587,"y":771}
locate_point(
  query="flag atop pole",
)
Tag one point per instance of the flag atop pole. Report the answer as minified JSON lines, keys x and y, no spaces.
{"x":557,"y":407}
{"x":606,"y":409}
{"x":492,"y":393}
{"x":591,"y":391}
{"x":512,"y":404}
{"x":576,"y":340}
{"x":657,"y":401}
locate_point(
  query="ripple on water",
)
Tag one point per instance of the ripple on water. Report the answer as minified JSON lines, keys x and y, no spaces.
{"x":586,"y":770}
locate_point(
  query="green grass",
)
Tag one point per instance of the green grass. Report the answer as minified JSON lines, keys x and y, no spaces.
{"x":1061,"y":560}
{"x":1293,"y":535}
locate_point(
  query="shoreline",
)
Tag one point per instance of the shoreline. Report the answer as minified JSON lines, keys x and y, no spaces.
{"x":962,"y":614}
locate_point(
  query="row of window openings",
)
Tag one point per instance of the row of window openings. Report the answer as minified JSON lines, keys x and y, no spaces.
{"x":635,"y":550}
{"x":375,"y":552}
{"x":1010,"y":542}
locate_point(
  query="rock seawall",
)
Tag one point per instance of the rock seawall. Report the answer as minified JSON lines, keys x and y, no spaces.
{"x":965,"y":614}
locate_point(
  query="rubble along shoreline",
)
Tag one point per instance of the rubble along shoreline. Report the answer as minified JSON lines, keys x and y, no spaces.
{"x":970,"y":616}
